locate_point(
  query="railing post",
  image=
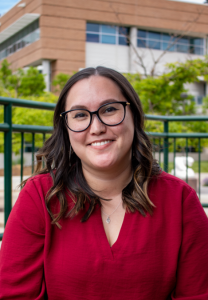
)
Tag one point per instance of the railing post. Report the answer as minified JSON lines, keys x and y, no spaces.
{"x":165,"y":164}
{"x":7,"y":162}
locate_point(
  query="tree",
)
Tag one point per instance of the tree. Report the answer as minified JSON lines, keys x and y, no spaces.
{"x":166,"y":94}
{"x":174,"y":38}
{"x":59,"y":81}
{"x":24,"y":83}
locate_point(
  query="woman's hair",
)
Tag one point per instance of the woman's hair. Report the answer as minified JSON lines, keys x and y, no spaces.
{"x":65,"y":167}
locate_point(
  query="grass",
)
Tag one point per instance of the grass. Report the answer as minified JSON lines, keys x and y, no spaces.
{"x":204,"y":166}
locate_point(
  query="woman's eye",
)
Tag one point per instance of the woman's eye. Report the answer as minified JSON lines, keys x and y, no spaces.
{"x":80,"y":115}
{"x":110,"y":109}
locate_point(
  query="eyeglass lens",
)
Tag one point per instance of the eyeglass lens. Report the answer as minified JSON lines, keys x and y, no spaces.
{"x":110,"y":114}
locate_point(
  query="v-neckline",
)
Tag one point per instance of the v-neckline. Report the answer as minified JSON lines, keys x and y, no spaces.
{"x":109,"y":250}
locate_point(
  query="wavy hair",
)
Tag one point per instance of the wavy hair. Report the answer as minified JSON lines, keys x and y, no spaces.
{"x":57,"y":154}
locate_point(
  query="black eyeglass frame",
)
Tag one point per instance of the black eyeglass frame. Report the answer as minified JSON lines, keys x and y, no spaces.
{"x":124,"y":103}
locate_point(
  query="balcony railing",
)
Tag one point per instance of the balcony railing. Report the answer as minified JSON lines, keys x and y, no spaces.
{"x":161,"y":143}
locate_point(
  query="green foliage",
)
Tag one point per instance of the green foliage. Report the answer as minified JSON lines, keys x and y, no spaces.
{"x":59,"y":81}
{"x":205,"y":105}
{"x":31,"y":83}
{"x":166,"y":94}
{"x":21,"y":83}
{"x":28,"y":116}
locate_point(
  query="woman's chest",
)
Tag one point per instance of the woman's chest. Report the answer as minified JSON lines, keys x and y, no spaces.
{"x":142,"y":261}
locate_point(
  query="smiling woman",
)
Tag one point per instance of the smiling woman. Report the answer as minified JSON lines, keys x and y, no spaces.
{"x":101,"y":220}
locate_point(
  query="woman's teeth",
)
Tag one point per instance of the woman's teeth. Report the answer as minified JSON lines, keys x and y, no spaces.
{"x":100,"y":143}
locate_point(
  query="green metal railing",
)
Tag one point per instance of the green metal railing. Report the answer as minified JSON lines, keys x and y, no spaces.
{"x":8,"y":128}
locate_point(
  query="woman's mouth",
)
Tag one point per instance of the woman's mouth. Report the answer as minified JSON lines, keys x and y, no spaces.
{"x":101,"y":143}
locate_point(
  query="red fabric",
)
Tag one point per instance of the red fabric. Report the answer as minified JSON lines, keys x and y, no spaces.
{"x":160,"y":257}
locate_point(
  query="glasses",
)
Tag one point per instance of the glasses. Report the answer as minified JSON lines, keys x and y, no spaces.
{"x":110,"y":114}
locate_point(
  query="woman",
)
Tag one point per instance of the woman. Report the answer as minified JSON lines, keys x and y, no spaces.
{"x":101,"y":220}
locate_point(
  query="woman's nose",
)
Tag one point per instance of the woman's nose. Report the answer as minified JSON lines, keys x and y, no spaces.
{"x":96,"y":126}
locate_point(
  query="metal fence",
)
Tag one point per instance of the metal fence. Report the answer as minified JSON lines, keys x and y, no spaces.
{"x":160,"y":142}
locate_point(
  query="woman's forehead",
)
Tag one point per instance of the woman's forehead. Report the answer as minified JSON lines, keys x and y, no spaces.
{"x":93,"y":91}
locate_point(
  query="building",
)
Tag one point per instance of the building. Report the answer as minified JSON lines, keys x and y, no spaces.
{"x":67,"y":35}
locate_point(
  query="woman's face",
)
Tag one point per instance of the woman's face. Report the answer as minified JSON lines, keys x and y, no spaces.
{"x":116,"y":152}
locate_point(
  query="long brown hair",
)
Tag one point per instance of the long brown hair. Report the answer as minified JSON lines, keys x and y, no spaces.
{"x":65,"y":167}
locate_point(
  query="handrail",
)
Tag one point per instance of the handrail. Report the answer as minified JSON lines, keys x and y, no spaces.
{"x":176,"y":118}
{"x":27,"y":103}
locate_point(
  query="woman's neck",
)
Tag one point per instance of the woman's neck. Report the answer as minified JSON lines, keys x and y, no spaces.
{"x":108,"y":184}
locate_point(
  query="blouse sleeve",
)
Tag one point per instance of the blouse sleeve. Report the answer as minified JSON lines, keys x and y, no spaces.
{"x":22,"y":250}
{"x":192,"y":272}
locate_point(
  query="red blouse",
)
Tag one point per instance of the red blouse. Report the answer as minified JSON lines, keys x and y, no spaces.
{"x":160,"y":257}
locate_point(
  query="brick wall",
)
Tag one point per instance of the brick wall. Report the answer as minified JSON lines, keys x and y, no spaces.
{"x":63,"y":22}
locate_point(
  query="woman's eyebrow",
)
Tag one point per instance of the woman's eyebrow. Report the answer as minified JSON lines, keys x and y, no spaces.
{"x":77,"y":106}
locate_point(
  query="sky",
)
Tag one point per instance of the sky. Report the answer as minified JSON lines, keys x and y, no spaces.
{"x":5,"y":5}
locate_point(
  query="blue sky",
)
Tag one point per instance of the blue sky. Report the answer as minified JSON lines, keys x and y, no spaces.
{"x":5,"y":5}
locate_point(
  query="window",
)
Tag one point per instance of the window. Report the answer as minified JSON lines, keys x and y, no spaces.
{"x":107,"y":34}
{"x":164,"y":41}
{"x":26,"y":36}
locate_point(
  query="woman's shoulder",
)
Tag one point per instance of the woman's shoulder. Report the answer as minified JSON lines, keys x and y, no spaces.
{"x":40,"y":181}
{"x":168,"y":184}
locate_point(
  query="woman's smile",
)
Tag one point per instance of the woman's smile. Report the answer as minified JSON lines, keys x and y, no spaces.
{"x":101,"y":146}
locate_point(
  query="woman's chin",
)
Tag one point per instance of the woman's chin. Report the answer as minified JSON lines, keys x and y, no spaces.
{"x":103,"y":165}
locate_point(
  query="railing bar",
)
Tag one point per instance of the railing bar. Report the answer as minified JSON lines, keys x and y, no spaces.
{"x":44,"y":138}
{"x":177,"y":135}
{"x":199,"y":166}
{"x":165,"y":152}
{"x":159,"y":151}
{"x":7,"y":163}
{"x":186,"y":160}
{"x":174,"y":154}
{"x":153,"y":147}
{"x":27,"y":103}
{"x":33,"y":150}
{"x":22,"y":155}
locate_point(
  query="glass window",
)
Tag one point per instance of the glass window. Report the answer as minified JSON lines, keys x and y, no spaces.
{"x":27,"y":39}
{"x":182,"y":48}
{"x":37,"y":31}
{"x":123,"y":31}
{"x":93,"y":38}
{"x":19,"y":45}
{"x":154,"y":35}
{"x":168,"y":46}
{"x":141,"y":43}
{"x":108,"y":39}
{"x":107,"y":34}
{"x":93,"y":27}
{"x":154,"y":44}
{"x":199,"y":100}
{"x":184,"y":41}
{"x":141,"y":33}
{"x":198,"y":50}
{"x":170,"y":42}
{"x":123,"y":41}
{"x":108,"y":29}
{"x":22,"y":38}
{"x":197,"y":42}
{"x":32,"y":35}
{"x":168,"y":38}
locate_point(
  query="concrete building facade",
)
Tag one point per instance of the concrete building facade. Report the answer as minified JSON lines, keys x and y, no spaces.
{"x":67,"y":35}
